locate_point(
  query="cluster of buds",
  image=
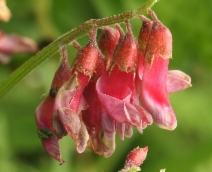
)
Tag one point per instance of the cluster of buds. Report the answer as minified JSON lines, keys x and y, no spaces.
{"x":113,"y":85}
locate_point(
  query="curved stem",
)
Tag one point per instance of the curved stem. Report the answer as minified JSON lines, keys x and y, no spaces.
{"x":65,"y":39}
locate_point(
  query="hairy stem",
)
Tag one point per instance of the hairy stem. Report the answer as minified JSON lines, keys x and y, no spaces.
{"x":65,"y":39}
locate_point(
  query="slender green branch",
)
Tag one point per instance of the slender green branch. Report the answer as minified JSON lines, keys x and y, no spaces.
{"x":65,"y":39}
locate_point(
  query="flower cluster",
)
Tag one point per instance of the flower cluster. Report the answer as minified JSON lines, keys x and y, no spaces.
{"x":113,"y":85}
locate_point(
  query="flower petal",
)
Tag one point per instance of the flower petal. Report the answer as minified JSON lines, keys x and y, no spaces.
{"x":43,"y":116}
{"x":177,"y":80}
{"x":108,"y":125}
{"x":75,"y":128}
{"x":11,"y":44}
{"x":109,"y":145}
{"x":154,"y":96}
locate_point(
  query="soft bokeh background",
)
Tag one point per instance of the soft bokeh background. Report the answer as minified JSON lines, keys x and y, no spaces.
{"x":188,"y":148}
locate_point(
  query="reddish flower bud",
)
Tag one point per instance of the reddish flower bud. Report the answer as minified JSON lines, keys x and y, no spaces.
{"x":126,"y":53}
{"x":88,"y":56}
{"x":107,"y":43}
{"x":159,"y":42}
{"x":136,"y":157}
{"x":144,"y":33}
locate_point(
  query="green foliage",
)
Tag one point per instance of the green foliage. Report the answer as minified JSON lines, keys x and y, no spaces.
{"x":185,"y":149}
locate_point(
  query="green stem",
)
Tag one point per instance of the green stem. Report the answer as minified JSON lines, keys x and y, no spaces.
{"x":65,"y":39}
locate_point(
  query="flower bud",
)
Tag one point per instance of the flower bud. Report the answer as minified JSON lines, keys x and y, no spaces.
{"x":107,"y":43}
{"x":144,"y":33}
{"x":126,"y":53}
{"x":159,"y":42}
{"x":88,"y":56}
{"x":136,"y":157}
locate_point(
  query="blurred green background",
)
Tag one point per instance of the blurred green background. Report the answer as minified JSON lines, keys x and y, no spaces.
{"x":186,"y":149}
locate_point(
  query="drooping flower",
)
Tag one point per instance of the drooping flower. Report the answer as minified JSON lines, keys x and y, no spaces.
{"x":115,"y":87}
{"x":157,"y":82}
{"x":13,"y":44}
{"x":44,"y":112}
{"x":70,"y":100}
{"x":155,"y":40}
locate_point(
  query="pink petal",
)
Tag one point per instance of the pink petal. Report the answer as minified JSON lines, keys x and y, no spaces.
{"x":108,"y":125}
{"x":92,"y":117}
{"x":146,"y":118}
{"x":154,"y":95}
{"x":177,"y":80}
{"x":122,"y":111}
{"x":115,"y":96}
{"x":70,"y":119}
{"x":75,"y":128}
{"x":68,"y":105}
{"x":109,"y":146}
{"x":121,"y":130}
{"x":97,"y":119}
{"x":43,"y":116}
{"x":11,"y":44}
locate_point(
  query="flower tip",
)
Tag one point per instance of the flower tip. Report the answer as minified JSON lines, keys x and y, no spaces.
{"x":136,"y":157}
{"x":168,"y":124}
{"x":145,"y":149}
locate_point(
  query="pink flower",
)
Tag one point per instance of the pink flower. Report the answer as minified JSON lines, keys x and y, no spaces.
{"x":157,"y":82}
{"x":44,"y":112}
{"x":13,"y":44}
{"x":70,"y":101}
